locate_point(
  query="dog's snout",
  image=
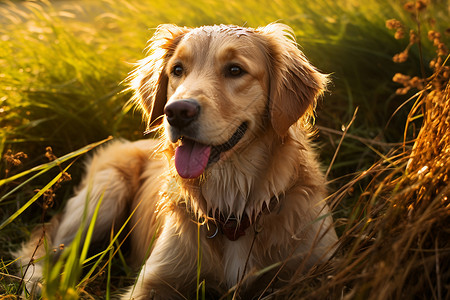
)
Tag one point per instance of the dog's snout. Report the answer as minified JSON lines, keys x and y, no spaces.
{"x":181,"y":113}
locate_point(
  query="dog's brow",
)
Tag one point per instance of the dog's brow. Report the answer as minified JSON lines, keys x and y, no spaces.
{"x":228,"y":53}
{"x":183,"y":52}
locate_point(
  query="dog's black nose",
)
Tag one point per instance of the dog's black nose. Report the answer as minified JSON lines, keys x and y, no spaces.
{"x":181,"y":113}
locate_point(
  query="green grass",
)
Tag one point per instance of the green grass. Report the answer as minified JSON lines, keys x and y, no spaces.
{"x":62,"y":64}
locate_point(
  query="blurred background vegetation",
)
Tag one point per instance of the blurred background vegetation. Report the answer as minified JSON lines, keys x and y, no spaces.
{"x":62,"y":64}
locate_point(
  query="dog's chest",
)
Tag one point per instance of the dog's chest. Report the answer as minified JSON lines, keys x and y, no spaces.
{"x":235,"y":254}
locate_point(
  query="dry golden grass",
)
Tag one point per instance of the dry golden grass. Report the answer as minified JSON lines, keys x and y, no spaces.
{"x":397,"y":245}
{"x":397,"y":239}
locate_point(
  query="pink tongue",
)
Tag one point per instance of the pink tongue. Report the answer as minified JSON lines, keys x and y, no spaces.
{"x":191,"y":158}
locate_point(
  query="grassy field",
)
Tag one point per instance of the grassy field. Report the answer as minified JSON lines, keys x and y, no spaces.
{"x":61,"y":68}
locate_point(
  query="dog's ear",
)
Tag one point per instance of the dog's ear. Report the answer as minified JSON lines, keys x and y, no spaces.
{"x":149,"y":80}
{"x":294,"y":84}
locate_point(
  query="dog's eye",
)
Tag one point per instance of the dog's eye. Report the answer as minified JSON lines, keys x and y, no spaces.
{"x":177,"y":70}
{"x":234,"y":71}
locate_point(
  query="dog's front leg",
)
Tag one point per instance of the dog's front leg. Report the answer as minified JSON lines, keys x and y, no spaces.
{"x":170,"y":271}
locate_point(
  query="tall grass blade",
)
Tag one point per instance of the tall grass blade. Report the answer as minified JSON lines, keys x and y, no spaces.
{"x":57,"y":162}
{"x":33,"y":199}
{"x":199,"y":261}
{"x":101,"y":255}
{"x":90,"y":230}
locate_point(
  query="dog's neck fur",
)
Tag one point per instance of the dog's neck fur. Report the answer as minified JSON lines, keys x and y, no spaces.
{"x":245,"y":182}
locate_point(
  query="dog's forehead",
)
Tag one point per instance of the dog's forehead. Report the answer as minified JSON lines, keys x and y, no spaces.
{"x":222,"y":32}
{"x":222,"y":38}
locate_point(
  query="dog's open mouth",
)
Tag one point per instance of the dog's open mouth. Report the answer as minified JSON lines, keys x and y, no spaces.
{"x":192,"y":158}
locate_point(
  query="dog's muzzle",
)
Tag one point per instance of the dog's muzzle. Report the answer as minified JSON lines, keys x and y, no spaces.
{"x":193,"y":157}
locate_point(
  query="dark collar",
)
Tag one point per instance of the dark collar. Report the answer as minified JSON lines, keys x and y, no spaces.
{"x":232,"y":228}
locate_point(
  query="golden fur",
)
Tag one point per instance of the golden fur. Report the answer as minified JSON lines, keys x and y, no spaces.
{"x":257,"y":77}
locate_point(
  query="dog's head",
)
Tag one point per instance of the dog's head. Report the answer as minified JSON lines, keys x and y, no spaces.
{"x":217,"y":87}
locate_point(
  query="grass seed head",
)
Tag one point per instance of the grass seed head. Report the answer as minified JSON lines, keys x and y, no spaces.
{"x":401,"y":57}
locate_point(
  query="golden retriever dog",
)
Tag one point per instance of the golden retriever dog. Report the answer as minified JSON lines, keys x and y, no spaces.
{"x":233,"y":175}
